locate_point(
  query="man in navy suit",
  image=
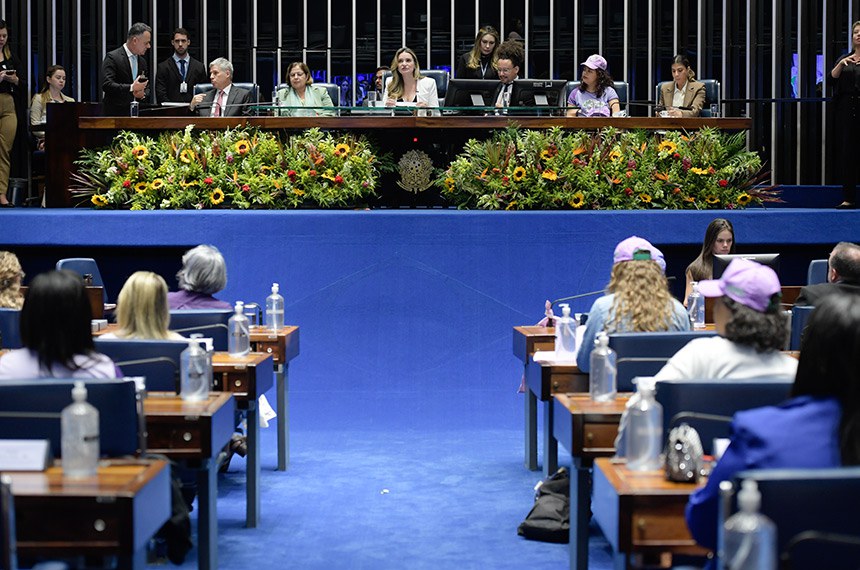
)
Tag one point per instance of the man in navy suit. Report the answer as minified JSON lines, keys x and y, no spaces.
{"x":124,"y":72}
{"x":177,"y":75}
{"x":225,"y":99}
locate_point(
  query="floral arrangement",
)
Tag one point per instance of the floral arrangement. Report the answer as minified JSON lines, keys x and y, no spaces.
{"x":239,"y":168}
{"x":608,"y":169}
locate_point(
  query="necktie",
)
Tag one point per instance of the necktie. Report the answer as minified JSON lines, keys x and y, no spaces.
{"x":133,"y":59}
{"x":220,"y":104}
{"x":182,"y":68}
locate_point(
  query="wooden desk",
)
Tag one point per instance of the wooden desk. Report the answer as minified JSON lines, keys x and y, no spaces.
{"x":114,"y":513}
{"x":527,"y":340}
{"x":194,"y":433}
{"x":587,"y":429}
{"x":283,"y":345}
{"x":640,"y":512}
{"x":247,"y":377}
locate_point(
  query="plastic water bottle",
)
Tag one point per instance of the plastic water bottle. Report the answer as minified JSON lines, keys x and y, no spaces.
{"x":275,"y":309}
{"x":565,"y":335}
{"x":749,"y":537}
{"x":696,"y":308}
{"x":79,"y":423}
{"x":645,"y":429}
{"x":603,"y":370}
{"x":134,"y":109}
{"x":195,"y":372}
{"x":238,"y":328}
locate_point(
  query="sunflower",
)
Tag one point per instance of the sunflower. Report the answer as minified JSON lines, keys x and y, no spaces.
{"x":743,"y":199}
{"x":140,"y":187}
{"x":265,"y":170}
{"x":342,"y":149}
{"x":187,"y":156}
{"x":645,"y":198}
{"x":216,"y":197}
{"x":549,"y":174}
{"x":511,"y":206}
{"x":99,"y":200}
{"x":242,"y":147}
{"x":711,"y":199}
{"x":699,"y":171}
{"x":519,"y":173}
{"x":139,"y":152}
{"x":157,"y":183}
{"x":668,"y":146}
{"x":615,"y":155}
{"x":449,"y":183}
{"x":545,"y":154}
{"x":577,"y":200}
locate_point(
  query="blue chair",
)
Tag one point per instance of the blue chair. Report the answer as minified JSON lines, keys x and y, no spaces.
{"x":332,"y":88}
{"x":712,"y":95}
{"x":208,"y":322}
{"x":30,"y":409}
{"x":645,"y":353}
{"x":156,"y":360}
{"x":817,"y":272}
{"x":621,"y":87}
{"x":811,"y":503}
{"x":440,"y":76}
{"x":799,"y":317}
{"x":708,"y":405}
{"x":85,"y":266}
{"x":10,"y":328}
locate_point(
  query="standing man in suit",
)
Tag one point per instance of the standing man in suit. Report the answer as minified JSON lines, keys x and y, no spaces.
{"x":226,"y":99}
{"x":177,"y":75}
{"x":124,"y":72}
{"x":843,"y":275}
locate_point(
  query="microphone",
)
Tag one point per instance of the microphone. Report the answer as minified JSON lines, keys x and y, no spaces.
{"x":578,"y":296}
{"x":699,"y":416}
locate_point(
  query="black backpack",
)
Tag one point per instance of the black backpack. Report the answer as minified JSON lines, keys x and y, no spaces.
{"x":549,"y":519}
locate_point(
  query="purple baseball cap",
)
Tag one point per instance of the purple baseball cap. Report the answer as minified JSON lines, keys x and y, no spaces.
{"x":637,"y":248}
{"x":745,"y":281}
{"x":595,"y":61}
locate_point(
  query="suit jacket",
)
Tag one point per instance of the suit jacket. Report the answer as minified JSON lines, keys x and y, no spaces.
{"x":812,"y":294}
{"x":117,"y":80}
{"x":529,"y":102}
{"x":238,"y":103}
{"x":694,"y":97}
{"x":167,"y":80}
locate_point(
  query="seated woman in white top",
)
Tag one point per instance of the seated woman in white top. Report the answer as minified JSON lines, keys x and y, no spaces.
{"x":407,"y":85}
{"x":56,"y":332}
{"x":751,"y":326}
{"x":52,"y":92}
{"x":301,"y":93}
{"x":141,"y":309}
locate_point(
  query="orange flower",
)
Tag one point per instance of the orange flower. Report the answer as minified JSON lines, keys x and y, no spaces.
{"x":578,"y":151}
{"x":661,"y":176}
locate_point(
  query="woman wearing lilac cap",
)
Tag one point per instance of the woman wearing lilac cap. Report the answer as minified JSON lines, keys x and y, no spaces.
{"x":595,"y":96}
{"x":638,"y":298}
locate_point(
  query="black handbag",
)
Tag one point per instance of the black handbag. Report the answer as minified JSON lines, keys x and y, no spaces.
{"x":684,"y":455}
{"x":549,"y":519}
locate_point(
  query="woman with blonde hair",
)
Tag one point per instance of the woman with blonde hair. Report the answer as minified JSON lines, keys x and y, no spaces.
{"x":141,"y":309}
{"x":638,"y":298}
{"x":10,"y":281}
{"x":407,"y":85}
{"x":481,"y":61}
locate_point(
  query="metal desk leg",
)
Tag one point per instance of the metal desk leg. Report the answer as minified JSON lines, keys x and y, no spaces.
{"x":531,"y":431}
{"x":282,"y":380}
{"x":207,"y":515}
{"x":580,"y":507}
{"x":252,"y":508}
{"x":550,"y":444}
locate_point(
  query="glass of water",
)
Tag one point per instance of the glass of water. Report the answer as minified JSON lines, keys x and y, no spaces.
{"x":715,"y":110}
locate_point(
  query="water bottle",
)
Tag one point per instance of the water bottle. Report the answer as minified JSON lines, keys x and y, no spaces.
{"x":275,"y":309}
{"x":645,"y":429}
{"x":603,"y":370}
{"x":195,"y":365}
{"x":238,"y":329}
{"x":134,"y":109}
{"x":749,"y":537}
{"x":565,"y":335}
{"x":79,"y":429}
{"x":696,"y":308}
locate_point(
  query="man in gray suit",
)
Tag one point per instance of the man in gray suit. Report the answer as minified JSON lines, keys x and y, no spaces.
{"x":225,"y":99}
{"x":124,"y":72}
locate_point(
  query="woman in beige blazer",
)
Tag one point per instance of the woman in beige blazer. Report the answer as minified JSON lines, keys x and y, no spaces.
{"x":683,"y":96}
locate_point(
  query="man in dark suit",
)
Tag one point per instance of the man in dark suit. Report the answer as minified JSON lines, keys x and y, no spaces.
{"x":843,"y":275}
{"x":510,"y":58}
{"x":124,"y":72}
{"x":177,"y":75}
{"x":226,"y":99}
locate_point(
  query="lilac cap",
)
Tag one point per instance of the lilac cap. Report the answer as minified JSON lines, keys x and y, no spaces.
{"x":745,"y":281}
{"x":595,"y":61}
{"x":637,"y":248}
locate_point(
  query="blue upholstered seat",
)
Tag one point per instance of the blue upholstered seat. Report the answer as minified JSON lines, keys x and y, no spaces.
{"x":156,"y":360}
{"x":799,"y":316}
{"x":208,"y":322}
{"x":10,"y":328}
{"x":645,"y":353}
{"x":817,"y":272}
{"x":84,"y":266}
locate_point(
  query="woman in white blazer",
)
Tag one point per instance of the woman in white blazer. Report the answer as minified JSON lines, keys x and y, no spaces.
{"x":406,"y":85}
{"x":301,"y":93}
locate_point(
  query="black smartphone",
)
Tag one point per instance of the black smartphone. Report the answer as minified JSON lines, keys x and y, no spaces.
{"x":11,"y":72}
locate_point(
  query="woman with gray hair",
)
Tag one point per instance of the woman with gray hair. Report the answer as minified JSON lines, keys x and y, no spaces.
{"x":203,"y":274}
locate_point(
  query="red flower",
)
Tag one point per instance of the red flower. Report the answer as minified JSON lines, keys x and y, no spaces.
{"x":676,"y":191}
{"x":312,"y":172}
{"x":126,"y":183}
{"x":338,"y":179}
{"x":711,"y":170}
{"x":597,"y":172}
{"x":628,"y":191}
{"x":505,"y":178}
{"x":723,"y":183}
{"x":676,"y":156}
{"x":291,"y":174}
{"x":246,"y":188}
{"x":208,"y":180}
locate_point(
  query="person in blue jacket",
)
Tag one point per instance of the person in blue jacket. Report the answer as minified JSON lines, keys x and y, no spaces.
{"x":819,"y":426}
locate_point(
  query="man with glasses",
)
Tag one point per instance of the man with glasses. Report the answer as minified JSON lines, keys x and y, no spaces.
{"x":177,"y":75}
{"x":509,"y":62}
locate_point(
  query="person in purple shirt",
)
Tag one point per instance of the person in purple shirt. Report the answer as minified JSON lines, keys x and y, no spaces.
{"x":203,"y":274}
{"x":595,"y":96}
{"x":819,"y":426}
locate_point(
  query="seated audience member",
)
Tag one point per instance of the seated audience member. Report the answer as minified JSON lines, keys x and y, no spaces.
{"x":378,"y":81}
{"x":10,"y":281}
{"x":224,"y":99}
{"x":407,"y":85}
{"x":141,"y":309}
{"x":751,"y":326}
{"x":52,"y":92}
{"x":203,"y":274}
{"x":56,"y":333}
{"x":843,"y":275}
{"x":301,"y":93}
{"x":638,"y":298}
{"x":481,"y":61}
{"x":719,"y":240}
{"x":683,"y":96}
{"x":819,"y":426}
{"x":596,"y":96}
